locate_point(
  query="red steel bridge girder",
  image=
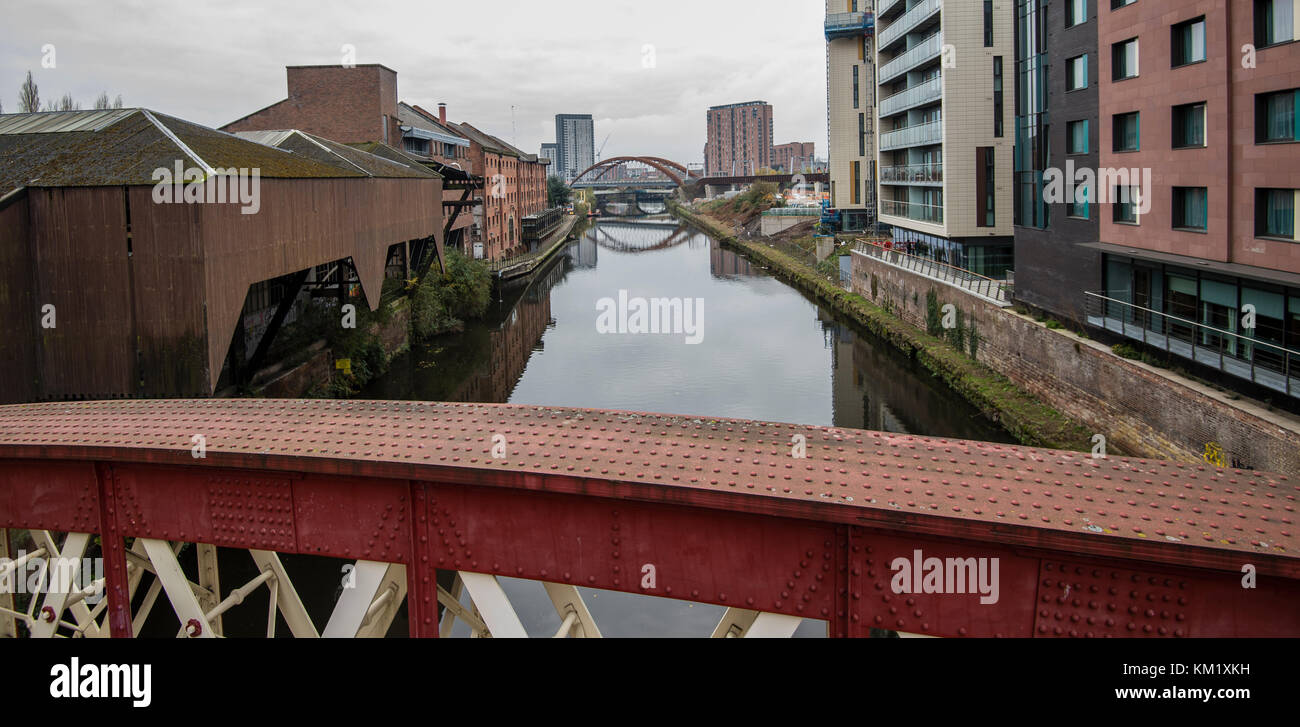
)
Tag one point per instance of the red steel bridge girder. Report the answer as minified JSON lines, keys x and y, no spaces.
{"x":611,"y":528}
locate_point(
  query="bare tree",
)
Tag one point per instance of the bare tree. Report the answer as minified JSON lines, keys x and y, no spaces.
{"x":101,"y":101}
{"x":68,"y":104}
{"x":29,"y":96}
{"x":117,"y":103}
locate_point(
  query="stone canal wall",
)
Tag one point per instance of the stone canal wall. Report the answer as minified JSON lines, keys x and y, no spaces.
{"x":1139,"y":408}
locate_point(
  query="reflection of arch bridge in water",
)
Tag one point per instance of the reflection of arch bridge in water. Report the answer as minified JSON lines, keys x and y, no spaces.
{"x":632,"y":202}
{"x":639,"y":237}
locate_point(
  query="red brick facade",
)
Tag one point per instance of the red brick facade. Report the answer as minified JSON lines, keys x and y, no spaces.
{"x":347,"y":105}
{"x":739,"y":139}
{"x":1231,"y":166}
{"x":794,"y":157}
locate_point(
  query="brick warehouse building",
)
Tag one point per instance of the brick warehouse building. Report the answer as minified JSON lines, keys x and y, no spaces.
{"x":739,"y":139}
{"x":1204,"y":97}
{"x":360,"y":105}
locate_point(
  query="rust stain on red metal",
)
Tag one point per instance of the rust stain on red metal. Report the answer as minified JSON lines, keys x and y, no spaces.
{"x":1115,"y":506}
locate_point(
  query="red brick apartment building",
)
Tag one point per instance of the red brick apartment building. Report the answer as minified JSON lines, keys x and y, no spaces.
{"x":360,"y":106}
{"x":739,"y":139}
{"x":794,"y":157}
{"x":1204,"y":96}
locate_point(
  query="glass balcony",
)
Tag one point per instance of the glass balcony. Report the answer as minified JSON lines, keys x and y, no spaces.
{"x":1264,"y":363}
{"x":912,"y":210}
{"x":912,"y":174}
{"x":919,"y":135}
{"x":922,"y":52}
{"x":909,"y":21}
{"x":920,"y":94}
{"x":849,"y":25}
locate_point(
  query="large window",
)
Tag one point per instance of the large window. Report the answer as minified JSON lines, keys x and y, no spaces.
{"x":1191,"y":208}
{"x":1076,"y":73}
{"x":1125,"y":205}
{"x":1277,"y":116}
{"x":1076,"y":12}
{"x":1126,"y":132}
{"x":1124,"y":59}
{"x":1189,"y":126}
{"x":1078,"y":206}
{"x":1077,"y":137}
{"x":856,"y":84}
{"x":1115,"y":4}
{"x":1275,"y":213}
{"x":1275,"y":22}
{"x":1187,"y":42}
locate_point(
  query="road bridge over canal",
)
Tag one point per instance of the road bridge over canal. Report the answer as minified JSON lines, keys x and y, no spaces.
{"x":713,"y":511}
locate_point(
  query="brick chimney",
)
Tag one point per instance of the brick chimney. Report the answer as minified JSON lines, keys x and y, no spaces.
{"x":442,"y":113}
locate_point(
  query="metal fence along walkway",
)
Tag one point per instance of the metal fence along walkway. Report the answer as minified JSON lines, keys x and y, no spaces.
{"x":996,"y":291}
{"x":777,"y":522}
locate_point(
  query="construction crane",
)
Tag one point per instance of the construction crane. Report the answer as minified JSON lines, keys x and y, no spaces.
{"x":601,"y":151}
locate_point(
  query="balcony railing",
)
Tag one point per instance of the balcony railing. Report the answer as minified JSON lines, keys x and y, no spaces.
{"x":918,"y":135}
{"x":926,"y":50}
{"x":994,"y":290}
{"x":909,"y":21}
{"x":884,"y":6}
{"x":1264,"y":363}
{"x":912,"y":210}
{"x":912,"y":173}
{"x":848,"y":25}
{"x":922,"y":93}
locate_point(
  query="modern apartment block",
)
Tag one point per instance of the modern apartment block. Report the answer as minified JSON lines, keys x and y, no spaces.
{"x":552,"y":152}
{"x":1056,"y":131}
{"x":1206,"y":95}
{"x":1195,"y":186}
{"x":794,"y":157}
{"x":575,"y":141}
{"x":944,"y":131}
{"x":739,"y":139}
{"x":851,"y":110}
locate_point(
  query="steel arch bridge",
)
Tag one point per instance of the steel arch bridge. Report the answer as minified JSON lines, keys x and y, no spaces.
{"x":594,"y":176}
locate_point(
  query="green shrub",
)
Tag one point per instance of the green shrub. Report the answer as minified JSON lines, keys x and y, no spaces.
{"x":443,"y":301}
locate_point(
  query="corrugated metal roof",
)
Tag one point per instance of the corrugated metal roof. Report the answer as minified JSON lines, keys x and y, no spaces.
{"x":126,"y":146}
{"x":338,"y":155}
{"x":53,"y":122}
{"x":426,"y":128}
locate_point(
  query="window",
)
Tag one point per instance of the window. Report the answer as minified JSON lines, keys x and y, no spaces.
{"x":1076,"y":73}
{"x":1189,"y":126}
{"x":862,"y":135}
{"x":1124,"y":59}
{"x":988,"y":23}
{"x":984,"y":186}
{"x":1078,"y":206}
{"x":1275,"y":22}
{"x":856,"y":84}
{"x":1277,"y":116}
{"x":1116,"y":4}
{"x":1275,"y":213}
{"x":1190,"y":208}
{"x":857,"y":185}
{"x":1076,"y":12}
{"x":1125,"y":205}
{"x":1076,"y":133}
{"x":1126,"y":132}
{"x":997,"y":96}
{"x":1187,"y":42}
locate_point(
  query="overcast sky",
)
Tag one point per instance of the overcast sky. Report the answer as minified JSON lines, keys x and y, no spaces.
{"x":213,"y":62}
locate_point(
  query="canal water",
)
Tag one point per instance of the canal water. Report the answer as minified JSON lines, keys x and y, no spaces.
{"x":764,"y":351}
